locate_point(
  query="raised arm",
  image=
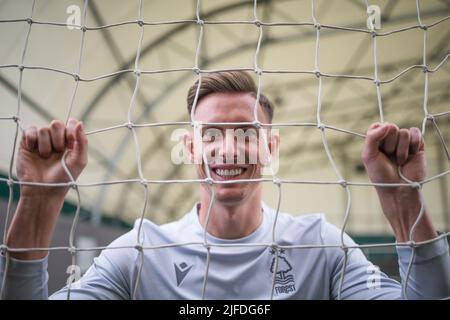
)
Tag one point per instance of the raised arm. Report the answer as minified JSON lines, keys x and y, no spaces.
{"x":386,"y":149}
{"x":39,"y":160}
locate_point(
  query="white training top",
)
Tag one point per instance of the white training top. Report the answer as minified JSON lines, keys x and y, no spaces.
{"x":244,"y":272}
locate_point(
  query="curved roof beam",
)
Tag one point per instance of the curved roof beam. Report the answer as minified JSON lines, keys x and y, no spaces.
{"x":128,"y":64}
{"x":235,"y":50}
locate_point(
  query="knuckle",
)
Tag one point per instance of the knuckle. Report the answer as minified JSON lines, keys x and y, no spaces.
{"x":404,"y":133}
{"x":416,"y":131}
{"x":365,"y":157}
{"x":43,"y":131}
{"x":370,"y":136}
{"x":82,"y":162}
{"x":56,"y":124}
{"x":59,"y":146}
{"x":374,"y":125}
{"x":72,"y":121}
{"x":44,"y":151}
{"x":28,"y":133}
{"x":402,"y":152}
{"x":30,"y":128}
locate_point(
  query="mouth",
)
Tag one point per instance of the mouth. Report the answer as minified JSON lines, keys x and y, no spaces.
{"x":228,"y":173}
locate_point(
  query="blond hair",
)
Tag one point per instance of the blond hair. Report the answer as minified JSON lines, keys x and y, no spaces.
{"x":228,"y":82}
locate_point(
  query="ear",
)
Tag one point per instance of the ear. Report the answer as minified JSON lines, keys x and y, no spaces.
{"x":188,"y":141}
{"x":274,"y":142}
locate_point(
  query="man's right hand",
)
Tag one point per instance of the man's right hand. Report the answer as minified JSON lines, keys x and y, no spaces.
{"x":40,"y":153}
{"x":39,"y":160}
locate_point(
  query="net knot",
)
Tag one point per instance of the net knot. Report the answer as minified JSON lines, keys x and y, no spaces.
{"x":430,"y":117}
{"x":411,"y":243}
{"x":317,"y":73}
{"x":137,"y":72}
{"x":9,"y":182}
{"x":321,"y":126}
{"x":76,"y":77}
{"x":343,"y":183}
{"x":423,"y":27}
{"x":317,"y":25}
{"x":425,"y":69}
{"x":196,"y":70}
{"x":258,"y":71}
{"x":72,"y":184}
{"x":196,"y":124}
{"x":257,"y":124}
{"x":209,"y":181}
{"x":129,"y":125}
{"x":140,"y":22}
{"x":72,"y":250}
{"x":377,"y":82}
{"x":83,"y":28}
{"x":29,"y":20}
{"x":139,"y":247}
{"x":3,"y":249}
{"x":416,"y":185}
{"x":15,"y":119}
{"x":143,"y":182}
{"x":200,"y":22}
{"x":257,"y":23}
{"x":21,"y":67}
{"x":276,"y":181}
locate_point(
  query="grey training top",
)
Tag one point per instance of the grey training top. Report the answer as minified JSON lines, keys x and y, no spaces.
{"x":239,"y":272}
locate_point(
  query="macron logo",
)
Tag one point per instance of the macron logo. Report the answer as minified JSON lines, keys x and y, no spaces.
{"x":181,"y":271}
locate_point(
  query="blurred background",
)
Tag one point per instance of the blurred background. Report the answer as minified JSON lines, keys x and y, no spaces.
{"x":351,"y":104}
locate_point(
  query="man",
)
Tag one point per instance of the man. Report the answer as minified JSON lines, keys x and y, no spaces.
{"x":238,"y":216}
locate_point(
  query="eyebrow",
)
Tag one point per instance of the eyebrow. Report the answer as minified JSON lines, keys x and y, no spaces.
{"x":213,"y":126}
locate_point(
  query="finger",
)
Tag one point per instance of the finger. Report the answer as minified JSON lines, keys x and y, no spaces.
{"x":79,"y":153}
{"x":81,"y":142}
{"x":416,"y":140}
{"x":70,"y":132}
{"x":57,"y":135}
{"x":375,"y":135}
{"x":390,"y":141}
{"x":44,"y":142}
{"x":30,"y":138}
{"x":402,"y":152}
{"x":422,"y":144}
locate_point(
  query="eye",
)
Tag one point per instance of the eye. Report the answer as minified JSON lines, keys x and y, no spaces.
{"x":211,"y":134}
{"x":246,"y":132}
{"x":251,"y":132}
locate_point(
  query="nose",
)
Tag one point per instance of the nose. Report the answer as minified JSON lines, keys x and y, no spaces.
{"x":229,"y":150}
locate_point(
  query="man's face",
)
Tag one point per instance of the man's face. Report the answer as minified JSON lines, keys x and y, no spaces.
{"x":233,"y":151}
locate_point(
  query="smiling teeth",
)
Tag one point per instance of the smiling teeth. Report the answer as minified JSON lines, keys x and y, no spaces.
{"x":228,"y":173}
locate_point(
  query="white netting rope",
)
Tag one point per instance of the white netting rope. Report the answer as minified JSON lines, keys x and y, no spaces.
{"x":72,"y":244}
{"x":139,"y":246}
{"x":16,"y":118}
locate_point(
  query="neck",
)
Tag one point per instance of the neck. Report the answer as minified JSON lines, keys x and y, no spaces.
{"x":231,"y":221}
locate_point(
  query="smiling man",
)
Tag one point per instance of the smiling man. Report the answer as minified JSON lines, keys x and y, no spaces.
{"x":230,"y":98}
{"x":237,"y":219}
